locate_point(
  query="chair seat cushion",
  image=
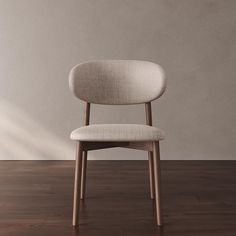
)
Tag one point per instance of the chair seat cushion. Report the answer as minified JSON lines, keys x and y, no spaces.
{"x":117,"y":132}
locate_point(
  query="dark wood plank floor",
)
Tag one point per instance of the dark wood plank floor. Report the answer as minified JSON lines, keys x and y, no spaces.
{"x":199,"y":198}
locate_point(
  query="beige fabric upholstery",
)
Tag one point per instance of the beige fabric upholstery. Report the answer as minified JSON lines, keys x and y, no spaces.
{"x":117,"y":81}
{"x":117,"y":132}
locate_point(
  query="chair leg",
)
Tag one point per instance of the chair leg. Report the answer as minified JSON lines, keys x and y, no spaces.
{"x":77,"y":184}
{"x":157,"y":179}
{"x":83,"y":175}
{"x":151,"y":175}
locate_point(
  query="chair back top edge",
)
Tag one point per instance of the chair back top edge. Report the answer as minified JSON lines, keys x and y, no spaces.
{"x":117,"y":82}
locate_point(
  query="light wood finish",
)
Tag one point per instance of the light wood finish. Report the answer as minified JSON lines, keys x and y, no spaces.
{"x":83,"y":174}
{"x":145,"y":146}
{"x":87,"y":113}
{"x":77,"y":184}
{"x":157,"y":181}
{"x":148,"y":111}
{"x":89,"y":146}
{"x":85,"y":154}
{"x":151,"y":174}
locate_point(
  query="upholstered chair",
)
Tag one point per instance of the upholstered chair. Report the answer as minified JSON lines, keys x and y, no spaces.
{"x":117,"y":82}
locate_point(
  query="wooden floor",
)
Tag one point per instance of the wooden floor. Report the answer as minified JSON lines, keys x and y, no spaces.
{"x":199,"y":198}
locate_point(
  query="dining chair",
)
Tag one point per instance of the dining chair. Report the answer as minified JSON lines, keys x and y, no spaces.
{"x":117,"y":82}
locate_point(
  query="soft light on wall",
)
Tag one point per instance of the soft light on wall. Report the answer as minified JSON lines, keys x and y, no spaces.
{"x":22,"y":138}
{"x":194,"y":41}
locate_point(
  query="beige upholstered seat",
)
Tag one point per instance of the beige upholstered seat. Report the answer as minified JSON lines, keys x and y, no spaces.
{"x":117,"y":132}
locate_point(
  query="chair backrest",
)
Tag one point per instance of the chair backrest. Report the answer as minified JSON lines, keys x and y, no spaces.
{"x":117,"y":82}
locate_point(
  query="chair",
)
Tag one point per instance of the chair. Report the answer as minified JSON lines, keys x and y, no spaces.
{"x":117,"y":82}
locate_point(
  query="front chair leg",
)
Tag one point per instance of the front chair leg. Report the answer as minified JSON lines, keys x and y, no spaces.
{"x":157,"y":180}
{"x":77,"y":184}
{"x":83,"y":175}
{"x":151,"y":175}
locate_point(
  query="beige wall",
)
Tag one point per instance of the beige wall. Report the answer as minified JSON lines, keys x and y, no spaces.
{"x":195,"y":42}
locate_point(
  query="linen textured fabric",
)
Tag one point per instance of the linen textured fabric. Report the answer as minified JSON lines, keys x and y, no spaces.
{"x":117,"y":132}
{"x":117,"y":82}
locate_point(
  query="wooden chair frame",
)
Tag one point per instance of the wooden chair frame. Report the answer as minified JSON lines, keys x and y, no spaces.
{"x":83,"y":147}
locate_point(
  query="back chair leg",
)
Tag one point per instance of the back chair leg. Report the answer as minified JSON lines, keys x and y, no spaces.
{"x":83,"y":175}
{"x":77,"y":184}
{"x":151,"y":175}
{"x":157,"y":180}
